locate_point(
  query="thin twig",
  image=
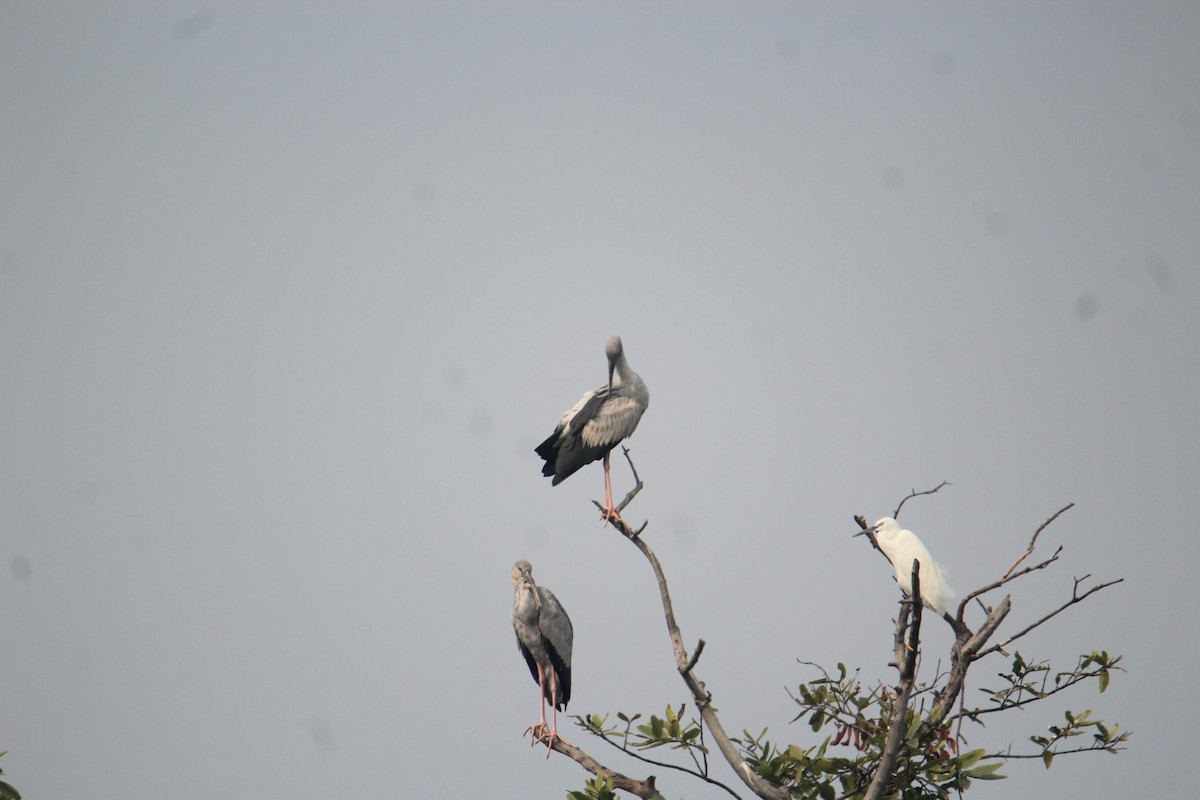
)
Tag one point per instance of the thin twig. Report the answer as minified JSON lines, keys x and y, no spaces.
{"x":1036,"y":534}
{"x":996,"y":584}
{"x":1056,"y":753}
{"x":1010,"y":574}
{"x":915,"y":493}
{"x":1075,"y":598}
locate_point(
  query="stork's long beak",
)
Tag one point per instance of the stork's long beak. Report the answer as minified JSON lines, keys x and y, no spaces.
{"x":612,"y":365}
{"x":537,"y":598}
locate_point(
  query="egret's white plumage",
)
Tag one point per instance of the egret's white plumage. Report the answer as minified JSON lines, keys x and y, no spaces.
{"x":901,"y":547}
{"x":592,"y":427}
{"x":545,"y":637}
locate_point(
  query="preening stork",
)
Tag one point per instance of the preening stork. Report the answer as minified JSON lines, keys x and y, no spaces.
{"x":901,"y":547}
{"x":591,"y":428}
{"x":544,"y":637}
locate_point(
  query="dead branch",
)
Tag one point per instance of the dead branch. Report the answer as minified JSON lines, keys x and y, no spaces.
{"x":915,"y":493}
{"x":644,"y":789}
{"x":962,"y":655}
{"x":1076,"y":597}
{"x":686,"y":667}
{"x":1010,"y":574}
{"x":1036,"y":534}
{"x":906,"y":662}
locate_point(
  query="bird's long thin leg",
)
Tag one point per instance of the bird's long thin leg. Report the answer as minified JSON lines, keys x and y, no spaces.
{"x":537,"y":729}
{"x":553,"y":711}
{"x":609,"y":511}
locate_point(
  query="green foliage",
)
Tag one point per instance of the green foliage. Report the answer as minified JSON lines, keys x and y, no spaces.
{"x":669,"y":729}
{"x":929,"y":765}
{"x":852,"y":723}
{"x":598,"y":788}
{"x":7,"y":792}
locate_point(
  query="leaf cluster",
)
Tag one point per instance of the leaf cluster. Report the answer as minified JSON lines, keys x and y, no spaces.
{"x":7,"y":792}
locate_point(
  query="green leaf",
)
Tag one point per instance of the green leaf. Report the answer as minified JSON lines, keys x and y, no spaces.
{"x":1047,"y":757}
{"x":987,"y":772}
{"x":1103,"y":681}
{"x":970,"y":759}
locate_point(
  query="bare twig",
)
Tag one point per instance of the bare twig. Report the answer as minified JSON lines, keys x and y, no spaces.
{"x":1076,"y":597}
{"x":906,"y":662}
{"x":1011,"y":574}
{"x":1036,"y":534}
{"x":644,"y":789}
{"x":996,"y":584}
{"x":915,"y":493}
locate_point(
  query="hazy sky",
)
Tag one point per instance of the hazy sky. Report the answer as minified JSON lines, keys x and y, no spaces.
{"x":289,"y":293}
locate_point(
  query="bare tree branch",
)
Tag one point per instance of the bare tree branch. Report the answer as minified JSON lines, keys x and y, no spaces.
{"x":907,"y":664}
{"x":962,"y":654}
{"x":1076,"y":597}
{"x":915,"y":493}
{"x":686,"y":667}
{"x":1036,"y":534}
{"x":644,"y":789}
{"x":1010,"y":574}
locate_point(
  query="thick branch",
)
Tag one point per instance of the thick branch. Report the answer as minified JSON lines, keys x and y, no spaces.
{"x":908,"y":673}
{"x":962,"y":654}
{"x":644,"y":789}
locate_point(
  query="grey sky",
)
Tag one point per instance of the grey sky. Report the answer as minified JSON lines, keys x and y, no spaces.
{"x":288,"y":294}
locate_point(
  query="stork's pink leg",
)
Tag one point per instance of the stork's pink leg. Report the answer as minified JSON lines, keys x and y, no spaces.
{"x":537,"y":729}
{"x":553,"y":712}
{"x":609,"y":511}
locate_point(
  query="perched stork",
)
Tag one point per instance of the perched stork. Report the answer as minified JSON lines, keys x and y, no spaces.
{"x":591,"y":428}
{"x":544,"y":637}
{"x":901,"y":547}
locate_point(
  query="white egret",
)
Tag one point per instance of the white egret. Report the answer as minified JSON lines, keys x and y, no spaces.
{"x":901,"y":547}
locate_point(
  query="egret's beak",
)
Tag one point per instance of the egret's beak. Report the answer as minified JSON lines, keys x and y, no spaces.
{"x":860,"y":533}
